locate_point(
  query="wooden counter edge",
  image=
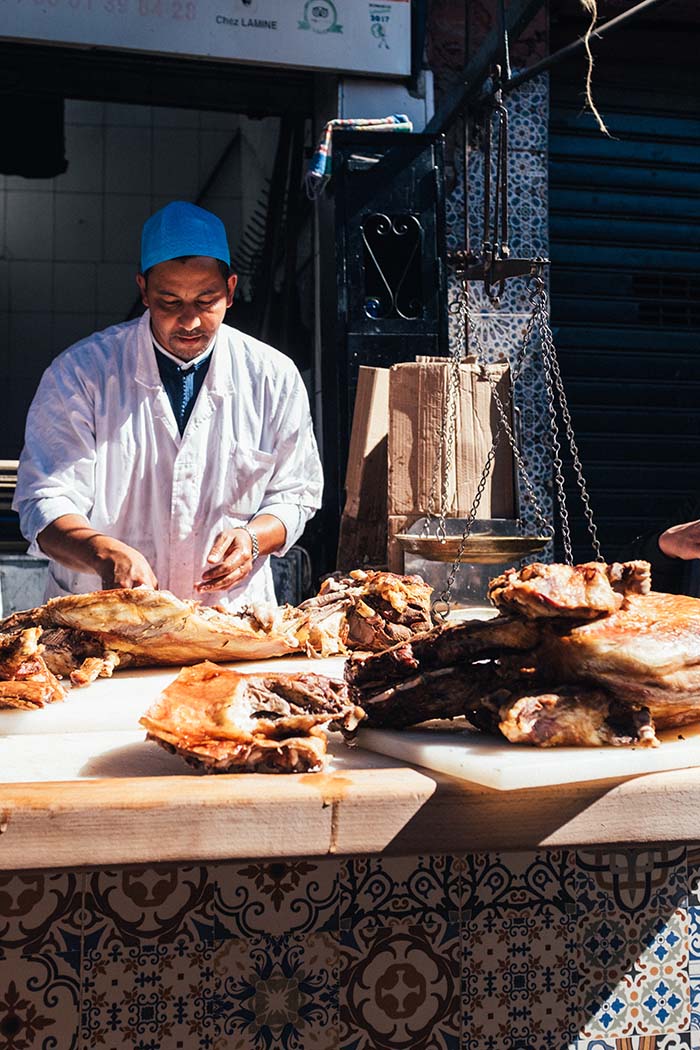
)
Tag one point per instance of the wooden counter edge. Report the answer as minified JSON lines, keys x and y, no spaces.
{"x":399,"y":810}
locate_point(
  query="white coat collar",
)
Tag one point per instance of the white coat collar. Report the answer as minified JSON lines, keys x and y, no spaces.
{"x":219,"y":378}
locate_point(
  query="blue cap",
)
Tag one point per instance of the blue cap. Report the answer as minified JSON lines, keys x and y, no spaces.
{"x":182,"y":229}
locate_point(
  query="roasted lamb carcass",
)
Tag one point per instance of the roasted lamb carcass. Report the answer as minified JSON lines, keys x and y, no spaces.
{"x":86,"y":635}
{"x":583,"y":655}
{"x":226,"y":722}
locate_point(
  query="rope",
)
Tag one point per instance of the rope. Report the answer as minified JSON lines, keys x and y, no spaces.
{"x":592,"y":7}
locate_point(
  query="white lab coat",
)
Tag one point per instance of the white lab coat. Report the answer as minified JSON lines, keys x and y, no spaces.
{"x":102,"y":441}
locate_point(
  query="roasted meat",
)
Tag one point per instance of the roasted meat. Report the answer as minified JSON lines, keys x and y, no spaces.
{"x":25,"y":680}
{"x":89,"y":635}
{"x":574,"y":591}
{"x":586,"y":655}
{"x":145,"y":628}
{"x":226,"y":722}
{"x":366,"y":610}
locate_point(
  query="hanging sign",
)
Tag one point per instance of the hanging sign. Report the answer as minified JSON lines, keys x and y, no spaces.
{"x":356,"y":36}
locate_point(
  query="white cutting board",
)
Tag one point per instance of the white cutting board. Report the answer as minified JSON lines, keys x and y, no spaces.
{"x":484,"y":760}
{"x":116,"y":704}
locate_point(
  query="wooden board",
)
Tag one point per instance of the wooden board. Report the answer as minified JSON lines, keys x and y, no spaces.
{"x":497,"y":764}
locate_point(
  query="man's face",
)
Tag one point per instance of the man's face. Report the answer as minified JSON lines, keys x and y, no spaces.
{"x":188,"y":300}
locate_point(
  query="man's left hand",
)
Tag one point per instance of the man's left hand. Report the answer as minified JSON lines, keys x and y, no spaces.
{"x":230,"y":560}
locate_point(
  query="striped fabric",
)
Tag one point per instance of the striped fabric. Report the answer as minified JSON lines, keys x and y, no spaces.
{"x":321,"y":163}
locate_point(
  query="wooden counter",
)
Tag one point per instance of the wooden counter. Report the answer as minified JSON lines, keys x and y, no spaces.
{"x":385,"y":808}
{"x":80,"y":787}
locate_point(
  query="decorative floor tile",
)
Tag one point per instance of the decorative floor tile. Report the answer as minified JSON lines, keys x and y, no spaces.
{"x":509,"y":885}
{"x":676,"y":1041}
{"x":293,"y":896}
{"x":39,"y":1001}
{"x":693,"y":861}
{"x":155,"y":904}
{"x":399,"y":988}
{"x":149,"y":998}
{"x":277,"y":993}
{"x":381,"y":891}
{"x":40,"y":912}
{"x":634,"y":941}
{"x":519,"y":980}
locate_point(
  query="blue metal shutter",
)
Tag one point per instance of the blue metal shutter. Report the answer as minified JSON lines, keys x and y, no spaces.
{"x":625,"y":276}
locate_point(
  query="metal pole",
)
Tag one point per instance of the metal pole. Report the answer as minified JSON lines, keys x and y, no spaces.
{"x":572,"y":48}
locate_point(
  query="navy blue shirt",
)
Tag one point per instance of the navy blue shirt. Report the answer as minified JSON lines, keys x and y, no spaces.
{"x":181,"y":385}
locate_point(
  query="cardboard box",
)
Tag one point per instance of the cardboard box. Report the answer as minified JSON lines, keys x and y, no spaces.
{"x":418,"y":402}
{"x":362,"y":539}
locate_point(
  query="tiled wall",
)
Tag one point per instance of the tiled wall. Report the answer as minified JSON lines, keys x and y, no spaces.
{"x":561,"y":950}
{"x":69,"y":246}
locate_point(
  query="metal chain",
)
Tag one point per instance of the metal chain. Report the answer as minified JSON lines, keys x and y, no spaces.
{"x":447,"y":437}
{"x":441,"y":605}
{"x":550,"y":356}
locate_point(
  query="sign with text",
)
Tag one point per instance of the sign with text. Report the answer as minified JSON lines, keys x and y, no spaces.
{"x":357,"y":36}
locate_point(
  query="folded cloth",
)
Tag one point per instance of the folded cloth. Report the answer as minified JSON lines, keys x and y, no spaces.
{"x":320,"y":166}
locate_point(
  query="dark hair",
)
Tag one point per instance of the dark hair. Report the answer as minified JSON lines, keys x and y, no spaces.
{"x":224,"y":268}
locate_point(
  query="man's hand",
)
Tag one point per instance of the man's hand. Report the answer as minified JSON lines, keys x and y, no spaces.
{"x":119,"y":565}
{"x":230,"y":560}
{"x":71,"y":541}
{"x":681,"y":541}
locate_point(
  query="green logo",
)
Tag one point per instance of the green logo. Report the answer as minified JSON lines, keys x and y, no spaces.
{"x":320,"y":16}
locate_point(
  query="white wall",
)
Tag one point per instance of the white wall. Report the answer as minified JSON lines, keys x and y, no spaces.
{"x":70,"y":245}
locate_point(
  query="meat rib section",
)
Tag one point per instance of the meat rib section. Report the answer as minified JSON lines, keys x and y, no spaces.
{"x":225,"y":722}
{"x":586,"y":655}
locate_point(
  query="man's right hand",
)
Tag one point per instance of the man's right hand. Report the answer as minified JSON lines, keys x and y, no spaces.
{"x":119,"y":565}
{"x":71,"y":541}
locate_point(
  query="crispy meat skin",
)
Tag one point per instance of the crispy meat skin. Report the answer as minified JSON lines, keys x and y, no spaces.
{"x":147,"y":628}
{"x":25,"y":680}
{"x":584,"y":591}
{"x":89,"y":635}
{"x":224,"y":722}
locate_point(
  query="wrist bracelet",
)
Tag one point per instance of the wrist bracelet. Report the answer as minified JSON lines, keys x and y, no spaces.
{"x":254,"y":540}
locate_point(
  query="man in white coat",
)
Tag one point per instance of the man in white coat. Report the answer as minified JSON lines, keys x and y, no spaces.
{"x":172,"y":451}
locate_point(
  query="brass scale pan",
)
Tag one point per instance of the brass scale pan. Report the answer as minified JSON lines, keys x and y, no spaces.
{"x":479,"y":549}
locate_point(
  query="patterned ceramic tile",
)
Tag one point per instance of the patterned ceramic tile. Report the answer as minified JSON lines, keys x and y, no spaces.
{"x":519,"y":977}
{"x":39,"y":1001}
{"x":693,"y":861}
{"x":40,"y":912}
{"x":528,"y":223}
{"x":294,"y":896}
{"x":149,"y":998}
{"x":675,"y":1041}
{"x":528,"y":115}
{"x":399,"y":988}
{"x":634,"y":939}
{"x":277,"y":993}
{"x":381,"y":891}
{"x":155,"y":904}
{"x":510,"y":885}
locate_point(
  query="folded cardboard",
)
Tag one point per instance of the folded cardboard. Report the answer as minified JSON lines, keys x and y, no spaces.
{"x":418,"y":404}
